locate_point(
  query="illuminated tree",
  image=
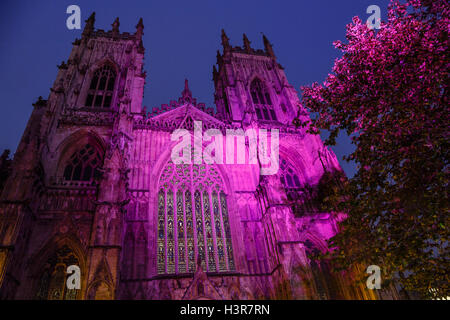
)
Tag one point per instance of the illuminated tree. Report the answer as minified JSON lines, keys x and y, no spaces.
{"x":389,"y":93}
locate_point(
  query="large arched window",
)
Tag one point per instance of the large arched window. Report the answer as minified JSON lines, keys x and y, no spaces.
{"x":83,"y":165}
{"x":52,"y":281}
{"x":261,"y":100}
{"x":193,"y":221}
{"x":100,"y":91}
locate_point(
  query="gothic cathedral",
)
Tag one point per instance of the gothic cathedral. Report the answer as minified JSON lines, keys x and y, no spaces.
{"x":92,"y":184}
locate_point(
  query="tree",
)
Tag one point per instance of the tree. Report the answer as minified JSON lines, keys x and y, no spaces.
{"x":389,"y":92}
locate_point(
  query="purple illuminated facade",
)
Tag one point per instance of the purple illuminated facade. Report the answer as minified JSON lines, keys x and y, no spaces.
{"x":93,"y":185}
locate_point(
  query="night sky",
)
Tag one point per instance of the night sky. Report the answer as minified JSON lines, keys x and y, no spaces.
{"x":181,"y":39}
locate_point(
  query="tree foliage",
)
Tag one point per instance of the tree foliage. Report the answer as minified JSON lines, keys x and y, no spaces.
{"x":389,"y":93}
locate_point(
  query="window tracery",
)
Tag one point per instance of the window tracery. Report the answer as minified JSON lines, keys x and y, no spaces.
{"x":261,"y":100}
{"x":193,"y":220}
{"x":83,"y":165}
{"x":101,"y":89}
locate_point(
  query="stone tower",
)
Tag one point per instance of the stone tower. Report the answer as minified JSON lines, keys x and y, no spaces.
{"x":243,"y":73}
{"x":252,"y":91}
{"x":67,"y":190}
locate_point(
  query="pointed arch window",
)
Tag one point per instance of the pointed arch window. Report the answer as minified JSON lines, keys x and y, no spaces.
{"x":296,"y":193}
{"x":261,"y":100}
{"x":101,"y":89}
{"x":52,"y":281}
{"x":193,"y":221}
{"x":83,"y":165}
{"x":288,"y":177}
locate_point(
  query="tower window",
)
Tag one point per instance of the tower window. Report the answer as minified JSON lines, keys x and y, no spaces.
{"x":193,"y":221}
{"x":262,"y":102}
{"x":101,"y":89}
{"x":83,"y":165}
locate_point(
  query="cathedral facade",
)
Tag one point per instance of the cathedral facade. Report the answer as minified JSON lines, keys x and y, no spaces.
{"x":93,"y":184}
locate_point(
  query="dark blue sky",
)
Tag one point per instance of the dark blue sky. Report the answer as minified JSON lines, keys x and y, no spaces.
{"x":181,"y":39}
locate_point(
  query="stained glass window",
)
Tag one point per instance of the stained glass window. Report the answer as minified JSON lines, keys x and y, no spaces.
{"x":180,"y":232}
{"x":209,"y":233}
{"x":219,"y":233}
{"x":193,"y":220}
{"x":170,"y":236}
{"x":199,"y":224}
{"x":161,"y":233}
{"x":226,"y":225}
{"x":190,"y":231}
